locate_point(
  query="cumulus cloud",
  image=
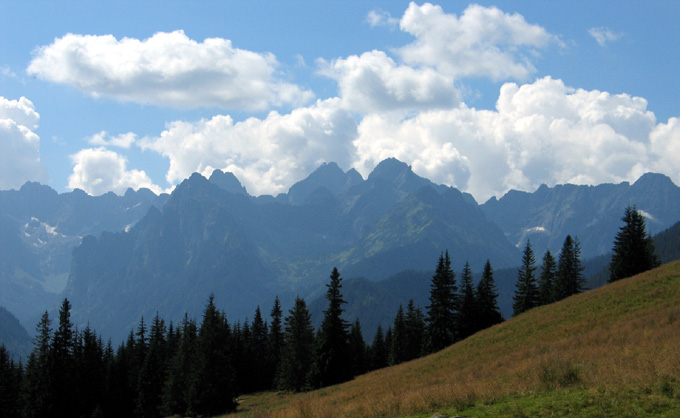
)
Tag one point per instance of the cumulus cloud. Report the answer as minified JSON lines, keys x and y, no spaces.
{"x":98,"y":170}
{"x":483,"y":41}
{"x":603,"y":35}
{"x":373,"y":82}
{"x":167,"y":69}
{"x":122,"y":141}
{"x":267,"y":155}
{"x":381,"y":18}
{"x":543,"y":132}
{"x":20,"y":156}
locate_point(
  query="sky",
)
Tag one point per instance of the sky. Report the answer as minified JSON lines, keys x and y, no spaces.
{"x":485,"y":97}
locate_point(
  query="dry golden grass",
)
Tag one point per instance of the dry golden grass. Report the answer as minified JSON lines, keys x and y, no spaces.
{"x":619,"y":341}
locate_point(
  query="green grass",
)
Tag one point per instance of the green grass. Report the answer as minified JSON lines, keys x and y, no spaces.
{"x":610,"y":352}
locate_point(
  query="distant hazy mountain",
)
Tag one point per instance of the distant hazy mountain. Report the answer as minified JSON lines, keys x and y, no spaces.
{"x":592,"y":213}
{"x":209,"y":238}
{"x":39,"y":229}
{"x":13,"y":336}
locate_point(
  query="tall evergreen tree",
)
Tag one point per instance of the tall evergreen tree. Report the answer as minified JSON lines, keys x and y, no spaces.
{"x":546,"y":280}
{"x":179,"y":388}
{"x":36,"y":393}
{"x":332,"y":362}
{"x":399,"y":338}
{"x":487,"y":299}
{"x":569,"y":277}
{"x":10,"y":385}
{"x":275,"y":343}
{"x":467,"y":313}
{"x":415,"y":331}
{"x":441,"y":314}
{"x":379,"y":354}
{"x":526,"y":292}
{"x":358,"y":349}
{"x":260,"y":369}
{"x":151,"y":375}
{"x":298,"y":348}
{"x":633,"y":250}
{"x":62,"y":364}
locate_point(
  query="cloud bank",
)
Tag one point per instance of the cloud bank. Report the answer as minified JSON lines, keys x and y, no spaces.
{"x":20,"y":145}
{"x":167,"y":69}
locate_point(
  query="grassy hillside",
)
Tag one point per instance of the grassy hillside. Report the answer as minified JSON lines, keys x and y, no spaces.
{"x":610,"y":352}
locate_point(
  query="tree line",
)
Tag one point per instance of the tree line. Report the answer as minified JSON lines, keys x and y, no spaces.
{"x":193,"y":369}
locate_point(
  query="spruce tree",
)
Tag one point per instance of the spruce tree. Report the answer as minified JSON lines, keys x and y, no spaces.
{"x":260,"y":370}
{"x":358,"y":350}
{"x":62,"y":364}
{"x":275,"y":343}
{"x":487,"y":299}
{"x":179,"y":395}
{"x":298,"y":348}
{"x":569,"y":277}
{"x":415,"y":331}
{"x":526,"y":292}
{"x":399,"y":338}
{"x":633,"y":250}
{"x":546,"y":281}
{"x":10,"y":385}
{"x":467,"y":313}
{"x":332,"y":362}
{"x":441,"y":314}
{"x":379,"y":356}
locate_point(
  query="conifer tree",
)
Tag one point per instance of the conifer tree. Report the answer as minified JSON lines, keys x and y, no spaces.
{"x":260,"y":368}
{"x":546,"y":281}
{"x":178,"y":391}
{"x":415,"y":331}
{"x":399,"y":338}
{"x":467,"y":313}
{"x":298,"y":348}
{"x":379,"y":350}
{"x":441,"y":314}
{"x":569,"y":277}
{"x":62,"y":364}
{"x":332,"y":362}
{"x":36,"y":393}
{"x":358,"y":350}
{"x":10,"y":384}
{"x":151,"y":375}
{"x":526,"y":292}
{"x":275,"y":343}
{"x":487,"y":299}
{"x":633,"y":250}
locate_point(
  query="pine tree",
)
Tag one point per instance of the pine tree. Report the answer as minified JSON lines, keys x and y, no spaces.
{"x":441,"y":314}
{"x":179,"y":394}
{"x":10,"y":384}
{"x":62,"y":364}
{"x":415,"y":331}
{"x":36,"y":393}
{"x":467,"y":313}
{"x":275,"y":343}
{"x":332,"y":362}
{"x":399,"y":338}
{"x":298,"y":348}
{"x":526,"y":292}
{"x":90,"y":372}
{"x":546,"y":281}
{"x":569,"y":277}
{"x":633,"y":248}
{"x":358,"y":350}
{"x":259,"y":349}
{"x":151,"y":375}
{"x":487,"y":299}
{"x":379,"y":351}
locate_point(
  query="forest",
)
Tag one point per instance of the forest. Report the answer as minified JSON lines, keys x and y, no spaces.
{"x":200,"y":369}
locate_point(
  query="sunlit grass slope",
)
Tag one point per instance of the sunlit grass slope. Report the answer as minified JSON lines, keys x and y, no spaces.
{"x":610,"y":352}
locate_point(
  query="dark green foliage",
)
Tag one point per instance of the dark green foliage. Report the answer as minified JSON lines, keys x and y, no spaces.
{"x":415,"y":331}
{"x":275,"y":342}
{"x":179,"y":388}
{"x":399,"y":338}
{"x":332,"y":363}
{"x":486,"y":294}
{"x":633,"y":248}
{"x":526,"y":292}
{"x":10,"y":385}
{"x":546,"y":281}
{"x":298,"y":349}
{"x":261,"y":369}
{"x":467,"y":312}
{"x":379,"y":353}
{"x":443,"y":306}
{"x":569,"y":277}
{"x":358,"y":350}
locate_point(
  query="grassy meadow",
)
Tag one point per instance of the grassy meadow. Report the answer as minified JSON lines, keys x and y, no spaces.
{"x":609,"y":352}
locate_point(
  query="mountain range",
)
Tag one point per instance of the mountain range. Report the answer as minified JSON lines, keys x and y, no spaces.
{"x":140,"y":254}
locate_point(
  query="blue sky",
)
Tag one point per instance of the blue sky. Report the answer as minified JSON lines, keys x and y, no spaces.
{"x":485,"y":97}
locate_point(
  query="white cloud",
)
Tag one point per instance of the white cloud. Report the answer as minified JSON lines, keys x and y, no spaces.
{"x":374,"y":82}
{"x":484,"y":42}
{"x":122,"y":141}
{"x":7,"y":72}
{"x":381,"y":18}
{"x":20,"y":156}
{"x":98,"y":171}
{"x":665,"y":143}
{"x":603,"y":35}
{"x":267,"y":155}
{"x":543,"y":132}
{"x":167,"y":69}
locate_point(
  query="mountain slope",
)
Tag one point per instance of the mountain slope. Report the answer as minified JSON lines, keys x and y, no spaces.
{"x":592,"y":213}
{"x":608,"y":352}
